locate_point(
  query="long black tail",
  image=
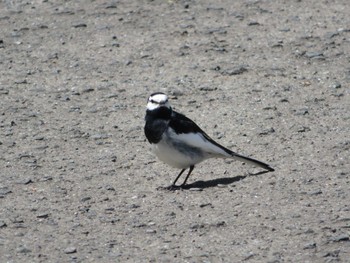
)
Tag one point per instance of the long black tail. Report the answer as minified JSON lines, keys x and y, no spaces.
{"x":251,"y":161}
{"x":229,"y":153}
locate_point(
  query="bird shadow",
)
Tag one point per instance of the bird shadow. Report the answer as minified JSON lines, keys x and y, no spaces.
{"x":219,"y":181}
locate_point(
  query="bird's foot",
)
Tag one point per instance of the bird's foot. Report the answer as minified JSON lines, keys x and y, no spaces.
{"x":172,"y":187}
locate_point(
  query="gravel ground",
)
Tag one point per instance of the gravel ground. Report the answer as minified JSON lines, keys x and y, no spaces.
{"x":268,"y":79}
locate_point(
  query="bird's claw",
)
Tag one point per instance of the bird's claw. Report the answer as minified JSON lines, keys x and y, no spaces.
{"x":172,"y":187}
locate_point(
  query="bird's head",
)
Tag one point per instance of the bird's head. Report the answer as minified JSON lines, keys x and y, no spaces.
{"x":157,"y":100}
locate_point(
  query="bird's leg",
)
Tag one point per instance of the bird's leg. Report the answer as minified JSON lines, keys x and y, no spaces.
{"x":174,"y":186}
{"x":188,"y":175}
{"x":177,"y":178}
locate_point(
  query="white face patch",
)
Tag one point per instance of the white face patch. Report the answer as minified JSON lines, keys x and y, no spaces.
{"x":157,"y":101}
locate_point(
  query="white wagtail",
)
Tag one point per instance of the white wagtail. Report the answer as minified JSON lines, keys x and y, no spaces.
{"x":179,"y":142}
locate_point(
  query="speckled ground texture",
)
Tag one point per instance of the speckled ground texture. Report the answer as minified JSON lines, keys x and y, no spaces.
{"x":268,"y":79}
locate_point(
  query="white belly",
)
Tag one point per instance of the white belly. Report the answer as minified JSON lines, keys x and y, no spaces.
{"x":177,"y":155}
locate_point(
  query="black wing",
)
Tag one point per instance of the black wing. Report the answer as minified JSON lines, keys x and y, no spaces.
{"x":181,"y":124}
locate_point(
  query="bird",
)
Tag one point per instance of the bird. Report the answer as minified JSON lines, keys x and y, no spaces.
{"x":179,"y":142}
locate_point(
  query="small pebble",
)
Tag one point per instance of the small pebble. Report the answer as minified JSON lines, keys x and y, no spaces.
{"x":310,"y":245}
{"x":109,"y":188}
{"x":314,"y":55}
{"x":316,"y":192}
{"x":70,"y":250}
{"x":253,"y":23}
{"x":267,"y":131}
{"x":43,"y":215}
{"x":77,"y":25}
{"x":5,"y":190}
{"x":87,"y":90}
{"x":336,"y":86}
{"x":22,"y":249}
{"x":84,"y":199}
{"x":234,"y":71}
{"x":25,"y":181}
{"x":341,"y":237}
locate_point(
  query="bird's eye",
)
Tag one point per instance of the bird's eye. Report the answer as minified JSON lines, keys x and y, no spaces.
{"x":153,"y":101}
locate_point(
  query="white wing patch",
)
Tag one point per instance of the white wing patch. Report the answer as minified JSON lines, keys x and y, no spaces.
{"x":199,"y":141}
